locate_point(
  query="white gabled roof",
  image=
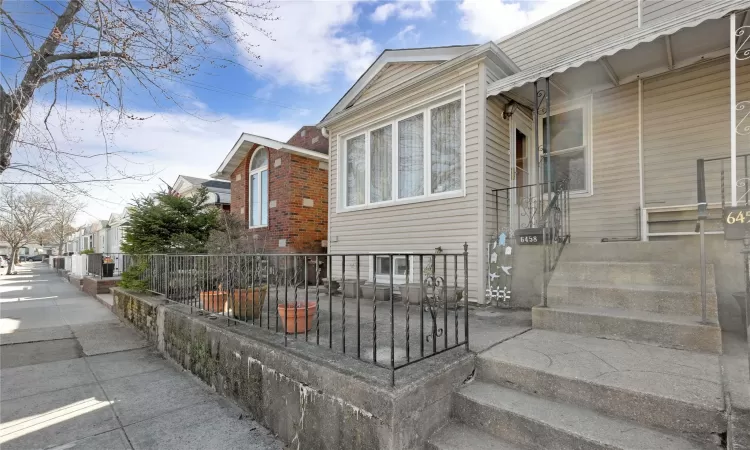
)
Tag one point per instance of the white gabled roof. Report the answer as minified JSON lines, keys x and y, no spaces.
{"x":714,"y":9}
{"x":239,"y":151}
{"x":462,"y":54}
{"x":408,"y":55}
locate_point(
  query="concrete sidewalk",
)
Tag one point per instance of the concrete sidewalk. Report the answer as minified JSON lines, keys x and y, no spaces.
{"x":73,"y":377}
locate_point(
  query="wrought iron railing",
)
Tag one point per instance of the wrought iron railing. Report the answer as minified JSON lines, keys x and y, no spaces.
{"x":525,"y":210}
{"x":556,"y":231}
{"x":388,"y":309}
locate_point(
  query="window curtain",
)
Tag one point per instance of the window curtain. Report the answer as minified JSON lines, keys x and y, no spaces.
{"x":380,"y":164}
{"x":445,"y":135}
{"x":411,"y":157}
{"x":355,"y":171}
{"x":259,"y":198}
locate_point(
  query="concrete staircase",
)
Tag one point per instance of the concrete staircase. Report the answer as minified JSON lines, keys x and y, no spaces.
{"x":619,"y":360}
{"x":632,"y":291}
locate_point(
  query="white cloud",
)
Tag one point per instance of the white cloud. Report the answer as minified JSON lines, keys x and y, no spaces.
{"x":403,"y":9}
{"x":493,"y":19}
{"x":407,"y":35}
{"x":171,"y":144}
{"x":311,"y":42}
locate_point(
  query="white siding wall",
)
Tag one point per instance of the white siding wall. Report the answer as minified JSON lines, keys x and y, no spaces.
{"x":391,"y":76}
{"x":589,"y":23}
{"x":612,"y":210}
{"x":655,"y":11}
{"x":497,"y":172}
{"x":417,"y":227}
{"x":686,"y":117}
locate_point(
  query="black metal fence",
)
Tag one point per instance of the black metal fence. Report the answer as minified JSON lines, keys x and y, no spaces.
{"x":388,"y":309}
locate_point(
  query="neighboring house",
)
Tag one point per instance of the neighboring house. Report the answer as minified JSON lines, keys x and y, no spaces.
{"x":219,"y":192}
{"x":280,"y":189}
{"x":99,"y":231}
{"x":639,"y":91}
{"x":116,"y":231}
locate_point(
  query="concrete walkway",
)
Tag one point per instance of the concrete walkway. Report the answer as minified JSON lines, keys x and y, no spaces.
{"x":73,"y":377}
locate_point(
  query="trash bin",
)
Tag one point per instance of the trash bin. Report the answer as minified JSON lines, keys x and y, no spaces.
{"x":108,"y":270}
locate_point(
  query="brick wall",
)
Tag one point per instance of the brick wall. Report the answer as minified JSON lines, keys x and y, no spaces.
{"x":311,"y":138}
{"x":297,"y":197}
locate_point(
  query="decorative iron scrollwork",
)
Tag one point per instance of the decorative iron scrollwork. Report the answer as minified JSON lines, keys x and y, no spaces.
{"x":433,"y":303}
{"x":743,"y":125}
{"x":742,"y":52}
{"x":541,"y":106}
{"x":743,"y":185}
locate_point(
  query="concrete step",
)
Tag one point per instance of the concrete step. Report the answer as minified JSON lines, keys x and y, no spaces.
{"x":658,"y":299}
{"x":457,"y":436}
{"x":672,"y":331}
{"x":684,"y":251}
{"x":656,"y":387}
{"x":540,"y":423}
{"x":635,"y":273}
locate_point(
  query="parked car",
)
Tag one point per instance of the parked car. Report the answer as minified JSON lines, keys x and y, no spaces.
{"x":23,"y":258}
{"x":36,"y":258}
{"x":3,"y":262}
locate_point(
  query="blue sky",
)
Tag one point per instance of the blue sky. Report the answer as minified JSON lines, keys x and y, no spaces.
{"x":318,"y":50}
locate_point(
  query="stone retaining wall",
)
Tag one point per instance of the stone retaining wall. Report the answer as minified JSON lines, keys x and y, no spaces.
{"x":311,"y":397}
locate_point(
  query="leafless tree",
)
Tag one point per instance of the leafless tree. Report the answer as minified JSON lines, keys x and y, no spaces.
{"x":22,"y":214}
{"x":62,"y":215}
{"x":107,"y":52}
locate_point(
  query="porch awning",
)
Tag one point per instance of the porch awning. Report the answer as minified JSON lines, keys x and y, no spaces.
{"x":706,"y":11}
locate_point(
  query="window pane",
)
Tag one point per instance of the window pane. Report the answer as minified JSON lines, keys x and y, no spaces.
{"x":569,"y":165}
{"x":254,"y":200}
{"x":264,"y":198}
{"x":411,"y":157}
{"x":259,"y":159}
{"x":445,"y":135}
{"x":355,"y":171}
{"x":566,"y":131}
{"x":380,"y":164}
{"x":401,"y":265}
{"x":383,"y":266}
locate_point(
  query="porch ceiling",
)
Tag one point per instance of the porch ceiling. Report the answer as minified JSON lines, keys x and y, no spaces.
{"x":702,"y":34}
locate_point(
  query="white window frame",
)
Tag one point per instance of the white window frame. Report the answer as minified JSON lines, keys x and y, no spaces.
{"x":585,"y":104}
{"x":451,"y":95}
{"x":250,"y":174}
{"x":385,"y":279}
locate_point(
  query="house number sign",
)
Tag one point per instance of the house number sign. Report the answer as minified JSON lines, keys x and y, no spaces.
{"x":530,"y":236}
{"x":736,"y":222}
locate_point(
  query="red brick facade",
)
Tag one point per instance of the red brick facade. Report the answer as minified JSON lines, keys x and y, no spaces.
{"x":293,"y":182}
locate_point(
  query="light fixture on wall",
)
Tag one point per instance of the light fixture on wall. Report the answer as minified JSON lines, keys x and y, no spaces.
{"x":510,"y":108}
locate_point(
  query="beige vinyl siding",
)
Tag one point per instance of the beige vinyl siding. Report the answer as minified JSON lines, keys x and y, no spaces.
{"x":655,"y":11}
{"x":415,"y":227}
{"x":611,"y":211}
{"x":392,"y":75}
{"x":686,"y":117}
{"x":497,"y":173}
{"x":582,"y":26}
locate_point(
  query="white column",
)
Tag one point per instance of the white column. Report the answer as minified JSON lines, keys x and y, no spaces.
{"x":733,"y":105}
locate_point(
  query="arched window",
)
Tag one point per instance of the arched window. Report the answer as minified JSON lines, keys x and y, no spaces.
{"x":258,"y":195}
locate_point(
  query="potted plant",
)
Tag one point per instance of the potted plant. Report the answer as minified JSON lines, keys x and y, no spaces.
{"x":298,"y":317}
{"x":237,"y":284}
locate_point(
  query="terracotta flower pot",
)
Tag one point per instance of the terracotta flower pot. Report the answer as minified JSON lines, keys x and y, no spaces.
{"x":291,"y":315}
{"x":214,"y":301}
{"x":248,"y":303}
